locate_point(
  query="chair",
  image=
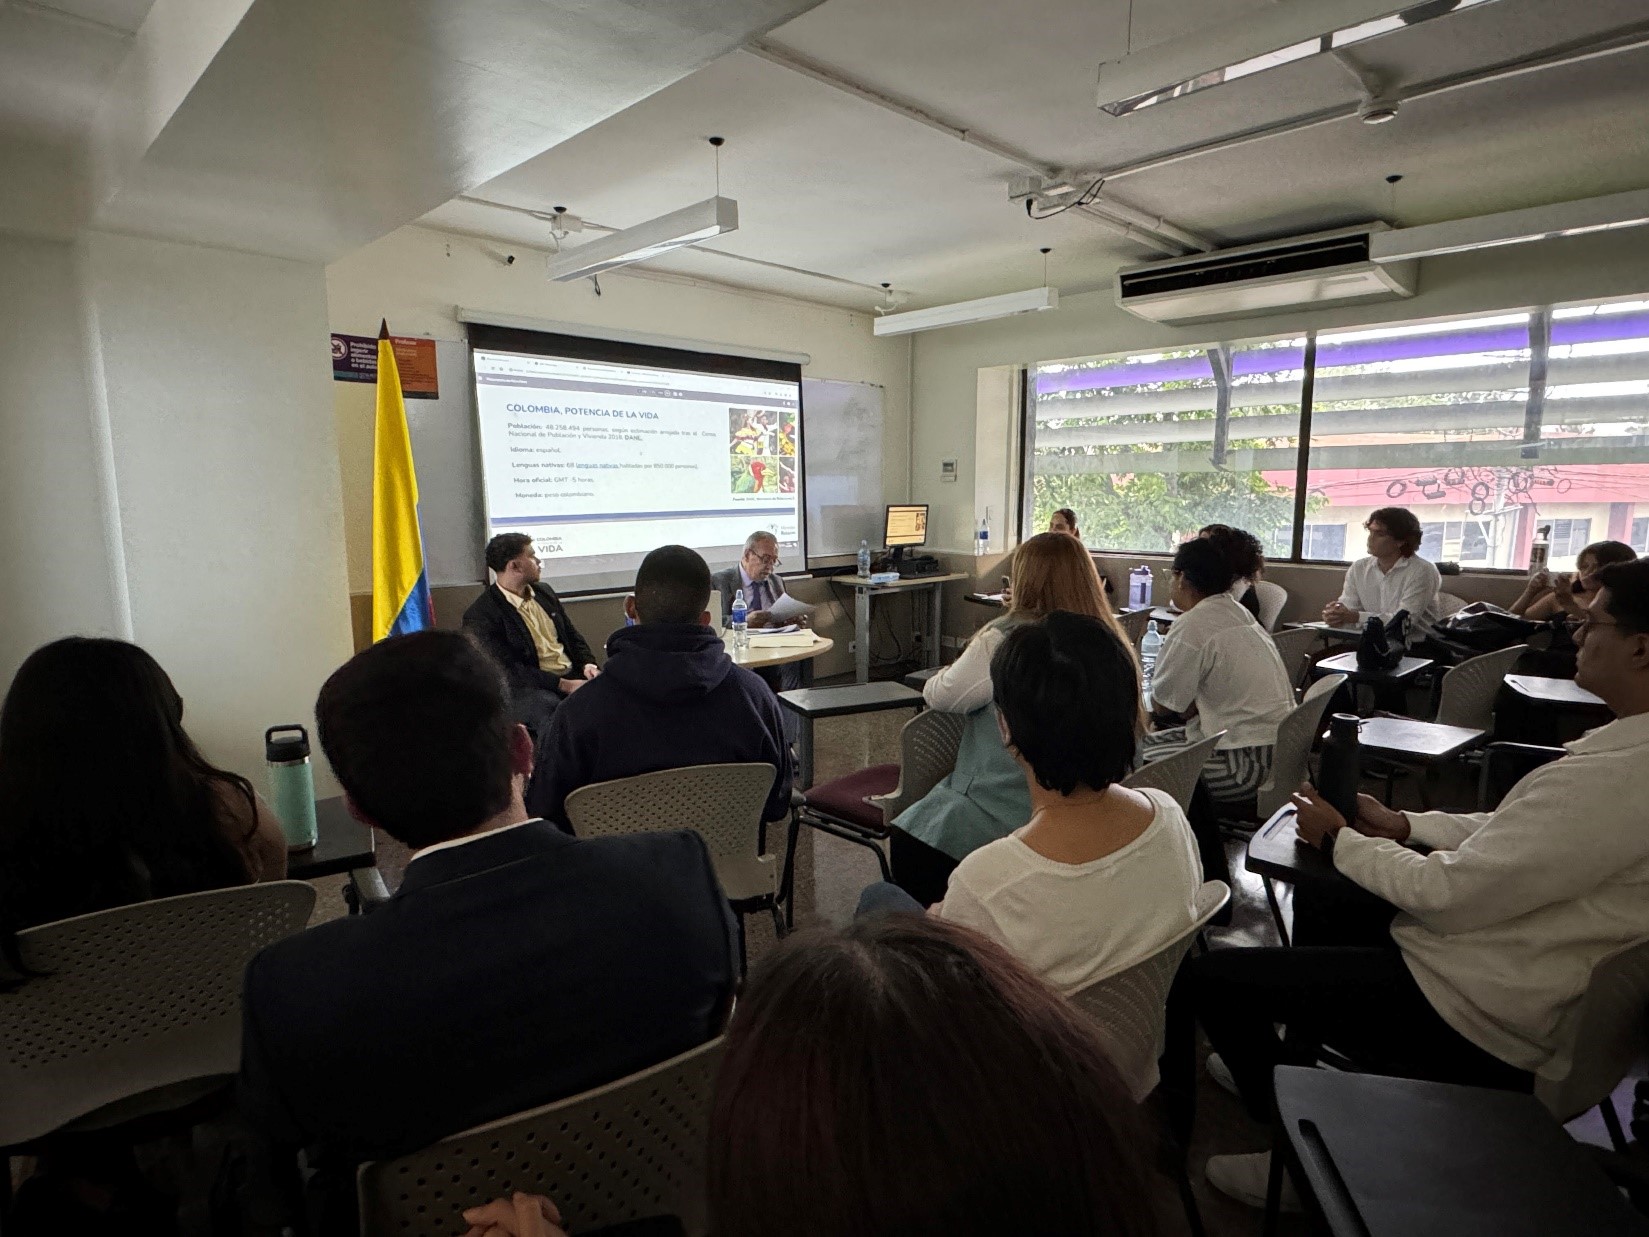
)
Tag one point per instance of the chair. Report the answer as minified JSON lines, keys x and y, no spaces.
{"x":1130,"y":1010}
{"x":631,"y":1148}
{"x":1176,"y":774}
{"x":722,"y":802}
{"x":1612,"y":1032}
{"x":859,"y":807}
{"x":136,"y":1011}
{"x":1296,"y":735}
{"x":1134,"y":624}
{"x":1294,"y":645}
{"x":1448,"y":603}
{"x":1272,"y":599}
{"x":1469,"y":689}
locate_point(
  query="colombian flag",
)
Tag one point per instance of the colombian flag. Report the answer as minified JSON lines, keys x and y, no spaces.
{"x":400,"y":584}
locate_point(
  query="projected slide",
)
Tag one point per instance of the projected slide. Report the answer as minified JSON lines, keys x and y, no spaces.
{"x":601,"y":462}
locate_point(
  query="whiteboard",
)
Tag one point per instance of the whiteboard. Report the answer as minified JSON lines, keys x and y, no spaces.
{"x":841,"y":465}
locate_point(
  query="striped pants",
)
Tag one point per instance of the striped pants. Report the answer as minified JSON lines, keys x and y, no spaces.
{"x":1232,"y":774}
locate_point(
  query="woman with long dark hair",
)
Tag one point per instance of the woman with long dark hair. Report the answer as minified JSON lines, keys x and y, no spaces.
{"x":908,"y":1076}
{"x":104,"y":798}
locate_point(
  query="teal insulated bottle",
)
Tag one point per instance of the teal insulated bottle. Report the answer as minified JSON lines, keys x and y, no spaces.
{"x":291,"y":783}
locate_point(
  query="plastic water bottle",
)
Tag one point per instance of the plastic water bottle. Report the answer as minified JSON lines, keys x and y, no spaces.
{"x":1149,"y":647}
{"x":291,"y":784}
{"x":1139,"y":587}
{"x":1540,"y":551}
{"x":1340,"y":765}
{"x":741,"y":629}
{"x":982,"y":543}
{"x":864,"y":559}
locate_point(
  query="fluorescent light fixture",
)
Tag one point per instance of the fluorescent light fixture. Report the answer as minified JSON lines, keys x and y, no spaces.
{"x":1276,"y":35}
{"x":1030,"y":301}
{"x":698,"y":222}
{"x":1513,"y":227}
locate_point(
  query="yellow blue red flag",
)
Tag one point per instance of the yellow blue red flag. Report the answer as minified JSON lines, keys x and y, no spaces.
{"x":400,"y":583}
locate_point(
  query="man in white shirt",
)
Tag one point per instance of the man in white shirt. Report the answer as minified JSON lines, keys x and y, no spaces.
{"x":1393,"y":577}
{"x":1498,"y":928}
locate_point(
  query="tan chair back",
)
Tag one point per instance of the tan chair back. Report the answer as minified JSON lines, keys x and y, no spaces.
{"x":1176,"y":774}
{"x":927,"y":753}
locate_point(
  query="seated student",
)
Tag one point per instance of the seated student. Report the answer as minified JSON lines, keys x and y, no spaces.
{"x":521,"y":622}
{"x":104,"y":798}
{"x":1218,"y":670}
{"x":1392,"y":578}
{"x":514,"y":966}
{"x":1243,"y":551}
{"x":1548,"y":595}
{"x":1497,"y":929}
{"x":1064,"y":521}
{"x":670,"y":696}
{"x":984,"y":797}
{"x":1102,"y":876}
{"x":907,"y":1076}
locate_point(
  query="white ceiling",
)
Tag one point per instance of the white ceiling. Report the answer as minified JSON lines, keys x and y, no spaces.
{"x":835,"y":185}
{"x":56,"y":60}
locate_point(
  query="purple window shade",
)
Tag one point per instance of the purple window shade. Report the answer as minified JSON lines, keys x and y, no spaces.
{"x":1250,"y":362}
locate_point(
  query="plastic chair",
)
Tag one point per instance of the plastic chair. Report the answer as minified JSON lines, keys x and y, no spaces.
{"x":629,"y":1149}
{"x":1469,"y":689}
{"x":137,"y":1010}
{"x":1134,"y":624}
{"x":1612,"y":1032}
{"x":1272,"y":599}
{"x":1294,"y":646}
{"x":1176,"y":774}
{"x":1448,"y":603}
{"x":723,"y":803}
{"x":859,"y":807}
{"x":1296,"y":735}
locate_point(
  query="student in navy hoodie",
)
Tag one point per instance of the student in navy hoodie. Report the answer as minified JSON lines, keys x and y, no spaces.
{"x":668,"y":696}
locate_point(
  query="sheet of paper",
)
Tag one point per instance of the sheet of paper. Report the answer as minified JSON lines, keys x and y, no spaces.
{"x":786,"y":609}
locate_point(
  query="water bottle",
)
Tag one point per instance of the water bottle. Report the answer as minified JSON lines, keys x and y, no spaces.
{"x":982,"y":543}
{"x":741,"y":630}
{"x":1149,"y":647}
{"x":1540,"y":552}
{"x":1340,"y":766}
{"x":291,"y":783}
{"x":1139,"y":587}
{"x":864,"y":559}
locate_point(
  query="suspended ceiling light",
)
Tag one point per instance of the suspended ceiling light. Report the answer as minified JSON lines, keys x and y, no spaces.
{"x":1513,"y":227}
{"x":1030,"y":301}
{"x":1274,"y":36}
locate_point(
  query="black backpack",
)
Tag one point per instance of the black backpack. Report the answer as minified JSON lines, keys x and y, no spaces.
{"x":1383,"y":644}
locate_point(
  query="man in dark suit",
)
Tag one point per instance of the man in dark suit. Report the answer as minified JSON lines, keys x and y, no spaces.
{"x":757,"y":574}
{"x":514,"y":966}
{"x":670,"y":697}
{"x":521,"y":622}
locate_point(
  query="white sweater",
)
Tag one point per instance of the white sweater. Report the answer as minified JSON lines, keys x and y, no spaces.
{"x":1503,"y":922}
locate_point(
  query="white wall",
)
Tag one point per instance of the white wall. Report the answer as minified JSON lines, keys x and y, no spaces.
{"x":55,"y":561}
{"x":948,"y":415}
{"x":220,"y":420}
{"x":417,"y":277}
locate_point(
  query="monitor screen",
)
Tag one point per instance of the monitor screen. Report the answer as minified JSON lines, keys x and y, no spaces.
{"x":907,"y":525}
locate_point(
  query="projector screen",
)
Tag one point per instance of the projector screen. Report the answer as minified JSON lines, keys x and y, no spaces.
{"x":602,"y":451}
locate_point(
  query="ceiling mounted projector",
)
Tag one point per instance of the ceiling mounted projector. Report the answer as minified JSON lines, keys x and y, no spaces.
{"x":1032,"y":300}
{"x":1276,"y":35}
{"x":687,"y":226}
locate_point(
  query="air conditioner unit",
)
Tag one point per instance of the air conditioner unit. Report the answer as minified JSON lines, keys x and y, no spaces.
{"x":1325,"y":268}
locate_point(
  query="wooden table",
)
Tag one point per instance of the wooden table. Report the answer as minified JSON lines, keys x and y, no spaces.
{"x":864,"y":590}
{"x":343,"y":844}
{"x":812,"y":703}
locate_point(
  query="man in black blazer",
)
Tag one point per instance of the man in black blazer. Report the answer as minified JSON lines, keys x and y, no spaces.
{"x":514,"y":966}
{"x":757,"y":574}
{"x":522,"y":623}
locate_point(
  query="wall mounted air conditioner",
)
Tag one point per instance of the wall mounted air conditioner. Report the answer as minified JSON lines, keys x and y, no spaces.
{"x":1325,"y":268}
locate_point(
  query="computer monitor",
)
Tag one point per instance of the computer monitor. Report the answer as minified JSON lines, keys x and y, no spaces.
{"x":905,"y":526}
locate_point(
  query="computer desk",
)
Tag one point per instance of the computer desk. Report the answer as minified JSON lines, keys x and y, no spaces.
{"x":864,"y":590}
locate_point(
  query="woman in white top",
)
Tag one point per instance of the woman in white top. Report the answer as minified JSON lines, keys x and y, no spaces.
{"x":1218,"y":671}
{"x":1101,"y":876}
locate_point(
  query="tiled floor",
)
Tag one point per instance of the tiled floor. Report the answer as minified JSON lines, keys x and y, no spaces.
{"x":831,"y":872}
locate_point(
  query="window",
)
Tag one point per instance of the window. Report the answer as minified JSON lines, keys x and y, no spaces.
{"x":1150,"y":447}
{"x":1324,"y":541}
{"x":1486,"y":427}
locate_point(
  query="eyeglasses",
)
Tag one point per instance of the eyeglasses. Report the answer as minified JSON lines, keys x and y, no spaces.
{"x":767,"y":560}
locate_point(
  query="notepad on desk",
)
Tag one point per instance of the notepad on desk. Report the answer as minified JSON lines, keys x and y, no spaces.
{"x":781,"y":637}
